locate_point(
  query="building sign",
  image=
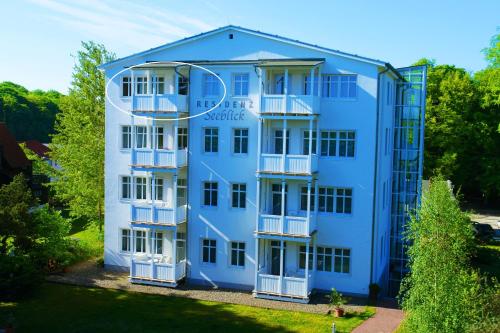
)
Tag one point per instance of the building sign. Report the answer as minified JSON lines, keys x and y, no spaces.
{"x":228,"y":110}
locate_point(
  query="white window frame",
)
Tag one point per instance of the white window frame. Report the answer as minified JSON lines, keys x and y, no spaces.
{"x":127,"y":183}
{"x":141,"y":235}
{"x":239,"y":192}
{"x":323,"y":192}
{"x":211,"y":136}
{"x":337,"y":195}
{"x":341,"y":141}
{"x":143,"y":135}
{"x":159,"y":81}
{"x":144,"y":185}
{"x":211,"y":192}
{"x":126,"y":131}
{"x":302,"y":252}
{"x":126,"y":234}
{"x":128,"y":84}
{"x":211,"y":85}
{"x":333,"y":85}
{"x":155,"y":241}
{"x":210,"y":248}
{"x":321,"y":252}
{"x":334,"y":139}
{"x":342,"y":257}
{"x":141,"y":85}
{"x":238,"y":81}
{"x":238,"y":251}
{"x":305,"y":138}
{"x":182,"y":138}
{"x":241,"y":138}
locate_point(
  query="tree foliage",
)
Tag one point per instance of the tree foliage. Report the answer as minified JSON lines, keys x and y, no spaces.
{"x":29,"y":115}
{"x":462,"y":137}
{"x":78,"y":145}
{"x":442,"y":293}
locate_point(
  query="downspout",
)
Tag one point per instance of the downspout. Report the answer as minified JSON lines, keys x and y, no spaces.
{"x":374,"y":206}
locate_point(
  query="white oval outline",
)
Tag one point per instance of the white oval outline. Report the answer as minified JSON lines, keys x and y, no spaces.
{"x":166,"y":62}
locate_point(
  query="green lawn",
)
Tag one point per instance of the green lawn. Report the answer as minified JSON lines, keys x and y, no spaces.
{"x":90,"y":240}
{"x":488,"y":259}
{"x":62,"y":308}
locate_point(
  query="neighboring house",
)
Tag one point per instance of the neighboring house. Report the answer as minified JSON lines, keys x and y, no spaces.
{"x":12,"y":158}
{"x":284,"y":188}
{"x":39,"y":179}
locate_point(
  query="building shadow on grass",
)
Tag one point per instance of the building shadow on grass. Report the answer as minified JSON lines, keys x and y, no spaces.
{"x":59,"y":308}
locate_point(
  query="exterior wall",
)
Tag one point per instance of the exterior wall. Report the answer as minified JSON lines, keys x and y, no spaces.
{"x":226,"y":224}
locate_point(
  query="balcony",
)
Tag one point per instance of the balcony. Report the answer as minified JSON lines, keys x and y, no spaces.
{"x":158,"y":158}
{"x":157,"y":270}
{"x":291,"y":164}
{"x":286,"y":286}
{"x":290,"y":104}
{"x":295,"y":226}
{"x":158,"y":215}
{"x":159,"y":104}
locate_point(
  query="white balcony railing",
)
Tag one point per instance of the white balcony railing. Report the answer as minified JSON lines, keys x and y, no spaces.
{"x":287,"y":225}
{"x":159,"y":103}
{"x":160,"y":158}
{"x":285,"y":286}
{"x":158,"y":271}
{"x":297,"y":104}
{"x":295,"y":164}
{"x":158,"y":215}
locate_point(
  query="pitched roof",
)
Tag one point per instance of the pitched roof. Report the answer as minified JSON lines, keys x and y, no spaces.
{"x":249,"y":31}
{"x":38,"y":148}
{"x":11,"y":152}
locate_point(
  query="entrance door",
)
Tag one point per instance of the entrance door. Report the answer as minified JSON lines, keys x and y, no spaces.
{"x":276,"y":198}
{"x":275,"y":257}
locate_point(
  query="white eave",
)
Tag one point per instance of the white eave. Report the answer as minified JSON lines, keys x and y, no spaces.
{"x":248,"y":31}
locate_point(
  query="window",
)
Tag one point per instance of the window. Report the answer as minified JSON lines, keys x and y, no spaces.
{"x":126,"y":137}
{"x":278,"y":141}
{"x":140,"y":188}
{"x":159,"y":85}
{"x":141,"y":137}
{"x":210,"y":190}
{"x":302,"y":257}
{"x":338,"y":143}
{"x":237,"y":254}
{"x":126,"y":185}
{"x":158,"y":243}
{"x":183,"y":85}
{"x":181,"y":191}
{"x":209,"y":251}
{"x":342,"y":261}
{"x":240,"y":84}
{"x":181,"y":246}
{"x":305,"y":145}
{"x":140,"y":241}
{"x":340,"y":86}
{"x":159,"y":131}
{"x":303,"y":198}
{"x":141,"y":87}
{"x":126,"y":240}
{"x":325,"y":199}
{"x":211,"y":140}
{"x":240,"y":141}
{"x":182,"y":138}
{"x":158,"y":184}
{"x":239,"y":195}
{"x":126,"y":86}
{"x":324,"y":259}
{"x":346,"y":143}
{"x":210,"y":85}
{"x":307,"y":85}
{"x":343,"y":202}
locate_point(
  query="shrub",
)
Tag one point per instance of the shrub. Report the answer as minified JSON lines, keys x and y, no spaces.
{"x":336,"y":299}
{"x":18,"y":276}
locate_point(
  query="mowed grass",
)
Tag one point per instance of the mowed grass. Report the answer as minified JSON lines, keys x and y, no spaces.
{"x":64,"y":308}
{"x":91,"y":240}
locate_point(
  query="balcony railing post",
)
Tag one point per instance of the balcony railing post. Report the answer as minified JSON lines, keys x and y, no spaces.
{"x":153,"y":198}
{"x":306,"y":271}
{"x":152,"y":251}
{"x":285,"y":90}
{"x":309,"y":164}
{"x":308,"y":214}
{"x":176,"y":139}
{"x":284,"y":146}
{"x":280,"y":286}
{"x":153,"y":141}
{"x":283,"y":203}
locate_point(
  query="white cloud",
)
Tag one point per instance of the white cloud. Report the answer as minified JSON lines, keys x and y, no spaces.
{"x":129,"y":23}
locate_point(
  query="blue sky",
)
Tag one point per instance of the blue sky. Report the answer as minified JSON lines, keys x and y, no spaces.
{"x":38,"y":37}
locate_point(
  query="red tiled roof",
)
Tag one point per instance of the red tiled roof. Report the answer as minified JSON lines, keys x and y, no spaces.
{"x":38,"y":148}
{"x":11,"y":152}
